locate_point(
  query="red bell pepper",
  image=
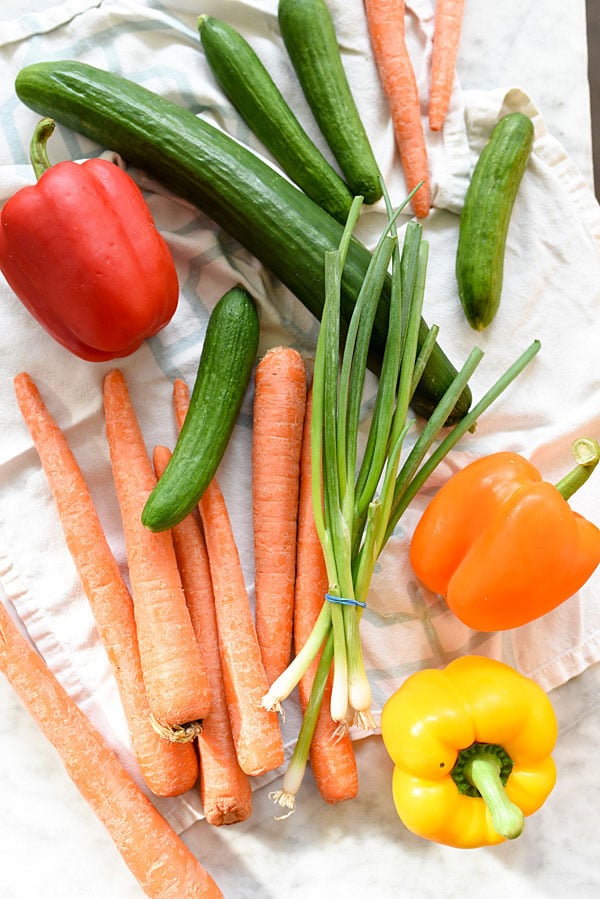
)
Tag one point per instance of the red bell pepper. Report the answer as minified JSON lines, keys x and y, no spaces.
{"x":81,"y":251}
{"x":503,"y":546}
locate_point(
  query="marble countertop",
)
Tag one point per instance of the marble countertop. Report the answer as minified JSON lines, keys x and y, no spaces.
{"x":51,"y":845}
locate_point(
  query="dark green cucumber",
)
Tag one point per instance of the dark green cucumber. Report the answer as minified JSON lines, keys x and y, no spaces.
{"x":282,"y":227}
{"x":226,"y":363}
{"x":486,"y":216}
{"x":247,"y":84}
{"x":309,"y":35}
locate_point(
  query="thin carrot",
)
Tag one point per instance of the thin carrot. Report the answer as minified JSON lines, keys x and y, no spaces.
{"x":331,"y":753}
{"x":160,"y":861}
{"x":446,"y":37}
{"x":174,"y":675}
{"x":225,"y":790}
{"x":167,"y":768}
{"x":279,"y":403}
{"x":259,"y":745}
{"x":256,"y":733}
{"x":385,"y":20}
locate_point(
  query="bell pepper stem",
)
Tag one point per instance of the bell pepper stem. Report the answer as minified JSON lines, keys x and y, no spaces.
{"x":586,"y":452}
{"x":37,"y":149}
{"x":484,"y":773}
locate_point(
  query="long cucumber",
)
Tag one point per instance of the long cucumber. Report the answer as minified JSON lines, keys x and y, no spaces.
{"x":282,"y":227}
{"x":250,"y":88}
{"x":309,"y":35}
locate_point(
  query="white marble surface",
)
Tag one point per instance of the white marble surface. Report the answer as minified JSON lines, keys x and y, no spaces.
{"x":51,"y":846}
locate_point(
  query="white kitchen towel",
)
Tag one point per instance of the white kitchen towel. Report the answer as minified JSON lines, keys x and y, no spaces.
{"x":551,"y":292}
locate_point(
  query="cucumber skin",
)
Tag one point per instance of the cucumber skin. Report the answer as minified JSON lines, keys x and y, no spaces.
{"x":309,"y":35}
{"x":283,"y":228}
{"x":224,"y":371}
{"x":485,"y":218}
{"x":249,"y":87}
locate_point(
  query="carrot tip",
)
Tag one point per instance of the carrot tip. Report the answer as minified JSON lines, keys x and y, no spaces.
{"x":177,"y":733}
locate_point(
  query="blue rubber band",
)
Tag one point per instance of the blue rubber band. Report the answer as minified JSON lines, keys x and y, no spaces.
{"x":344,"y":601}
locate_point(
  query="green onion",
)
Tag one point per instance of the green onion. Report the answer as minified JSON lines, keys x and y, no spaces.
{"x":358,"y":502}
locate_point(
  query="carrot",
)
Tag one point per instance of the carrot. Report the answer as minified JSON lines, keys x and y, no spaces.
{"x":160,"y":861}
{"x":279,"y":402}
{"x":446,"y":37}
{"x":256,"y":734}
{"x":259,"y":745}
{"x":385,"y":20}
{"x":224,"y":788}
{"x":167,"y":768}
{"x":174,"y":675}
{"x":331,"y":754}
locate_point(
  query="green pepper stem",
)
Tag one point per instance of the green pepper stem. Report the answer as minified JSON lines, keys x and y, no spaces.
{"x":37,"y":149}
{"x":483,"y":771}
{"x":586,"y":452}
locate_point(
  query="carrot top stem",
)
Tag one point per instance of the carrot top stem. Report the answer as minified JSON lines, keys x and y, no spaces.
{"x":177,"y":733}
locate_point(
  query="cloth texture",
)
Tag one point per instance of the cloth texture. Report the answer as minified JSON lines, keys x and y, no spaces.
{"x":551,"y":292}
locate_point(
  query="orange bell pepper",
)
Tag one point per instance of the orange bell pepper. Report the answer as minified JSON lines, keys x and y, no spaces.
{"x":503,"y":546}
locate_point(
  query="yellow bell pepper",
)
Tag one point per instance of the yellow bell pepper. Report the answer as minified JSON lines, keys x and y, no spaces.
{"x":471,"y":748}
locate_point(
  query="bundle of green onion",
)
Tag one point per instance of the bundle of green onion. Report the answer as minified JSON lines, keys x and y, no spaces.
{"x":358,"y":502}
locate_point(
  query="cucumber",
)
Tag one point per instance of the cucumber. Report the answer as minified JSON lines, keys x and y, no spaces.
{"x":282,"y":227}
{"x":226,"y":363}
{"x":309,"y":36}
{"x":247,"y":84}
{"x":486,"y":216}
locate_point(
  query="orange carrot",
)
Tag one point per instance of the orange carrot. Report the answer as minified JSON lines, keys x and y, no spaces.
{"x":331,"y":754}
{"x":160,"y":861}
{"x":224,"y":788}
{"x":256,"y":733}
{"x":174,"y":675}
{"x":279,"y":402}
{"x":385,"y":20}
{"x":446,"y":37}
{"x":259,"y":745}
{"x":167,"y":768}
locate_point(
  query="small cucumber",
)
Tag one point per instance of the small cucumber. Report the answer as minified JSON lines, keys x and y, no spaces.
{"x":247,"y":84}
{"x":309,"y":35}
{"x":226,"y":362}
{"x":486,"y":216}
